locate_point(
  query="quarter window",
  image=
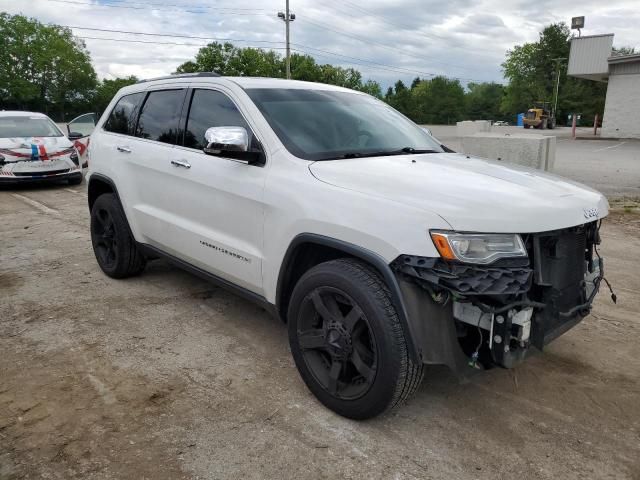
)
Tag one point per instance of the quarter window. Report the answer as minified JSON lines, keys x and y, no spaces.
{"x":160,"y":116}
{"x":211,"y":109}
{"x":123,"y":116}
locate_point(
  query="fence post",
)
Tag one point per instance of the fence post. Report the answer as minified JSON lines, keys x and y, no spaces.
{"x":595,"y":125}
{"x":573,"y":127}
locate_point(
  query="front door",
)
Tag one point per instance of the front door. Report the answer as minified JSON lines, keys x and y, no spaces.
{"x":216,"y":203}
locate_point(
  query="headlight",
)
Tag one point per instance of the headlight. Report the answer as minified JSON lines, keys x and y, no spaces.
{"x":478,"y":247}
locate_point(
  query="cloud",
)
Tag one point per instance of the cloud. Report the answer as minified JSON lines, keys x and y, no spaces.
{"x":385,"y":40}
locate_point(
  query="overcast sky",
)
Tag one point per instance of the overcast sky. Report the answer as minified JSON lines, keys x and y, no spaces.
{"x":385,"y":40}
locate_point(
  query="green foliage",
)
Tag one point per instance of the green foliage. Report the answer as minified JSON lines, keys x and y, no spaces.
{"x":483,"y":101}
{"x":532,"y":72}
{"x":106,"y":91}
{"x":623,"y":51}
{"x":439,"y":100}
{"x":226,"y":59}
{"x":43,"y":68}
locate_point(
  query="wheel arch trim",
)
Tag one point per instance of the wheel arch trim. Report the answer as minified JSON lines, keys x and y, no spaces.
{"x":98,"y":177}
{"x":368,"y":256}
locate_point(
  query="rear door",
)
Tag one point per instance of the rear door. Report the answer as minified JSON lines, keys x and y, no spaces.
{"x":146,"y":170}
{"x":216,"y":204}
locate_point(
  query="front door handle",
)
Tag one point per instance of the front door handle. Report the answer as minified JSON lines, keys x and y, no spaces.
{"x":124,"y":149}
{"x":180,"y":163}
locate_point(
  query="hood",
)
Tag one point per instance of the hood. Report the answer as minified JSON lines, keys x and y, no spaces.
{"x":471,"y":194}
{"x":34,"y":148}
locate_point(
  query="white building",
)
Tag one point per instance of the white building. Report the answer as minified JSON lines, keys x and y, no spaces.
{"x":591,"y":58}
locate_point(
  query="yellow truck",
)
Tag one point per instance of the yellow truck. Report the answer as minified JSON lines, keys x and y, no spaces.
{"x":540,"y":116}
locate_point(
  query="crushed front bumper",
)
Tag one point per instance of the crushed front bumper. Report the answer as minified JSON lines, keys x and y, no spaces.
{"x":495,"y":314}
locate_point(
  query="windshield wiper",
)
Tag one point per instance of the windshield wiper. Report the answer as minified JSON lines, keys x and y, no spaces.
{"x":387,"y":153}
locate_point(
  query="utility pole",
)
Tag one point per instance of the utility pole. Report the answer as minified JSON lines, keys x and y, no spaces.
{"x":555,"y":101}
{"x":288,"y":17}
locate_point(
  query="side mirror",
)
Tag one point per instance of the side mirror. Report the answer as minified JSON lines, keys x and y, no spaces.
{"x":226,"y":139}
{"x":231,"y":142}
{"x":75,"y":136}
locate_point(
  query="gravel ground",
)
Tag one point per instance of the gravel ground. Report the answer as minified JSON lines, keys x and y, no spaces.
{"x":167,"y":377}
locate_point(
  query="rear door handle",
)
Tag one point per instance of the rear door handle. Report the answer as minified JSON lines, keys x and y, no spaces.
{"x":180,"y":163}
{"x":124,"y":149}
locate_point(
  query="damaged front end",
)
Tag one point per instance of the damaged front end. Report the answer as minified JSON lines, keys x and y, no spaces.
{"x":474,"y":315}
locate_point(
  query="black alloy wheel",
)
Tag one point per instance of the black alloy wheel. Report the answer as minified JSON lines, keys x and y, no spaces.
{"x":337,"y":343}
{"x":105,"y":241}
{"x":347,"y":340}
{"x":115,"y":248}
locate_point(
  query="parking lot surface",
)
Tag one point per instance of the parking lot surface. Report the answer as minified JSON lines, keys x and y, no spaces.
{"x":165,"y":376}
{"x":610,"y":166}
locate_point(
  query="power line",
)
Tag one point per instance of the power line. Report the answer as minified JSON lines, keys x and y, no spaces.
{"x":381,"y":18}
{"x":155,"y":42}
{"x":388,"y":22}
{"x":356,"y":60}
{"x":384,"y":66}
{"x":172,"y":35}
{"x":207,"y":7}
{"x":367,"y":67}
{"x":370,"y":41}
{"x":324,"y":53}
{"x":130,"y":7}
{"x":407,"y":70}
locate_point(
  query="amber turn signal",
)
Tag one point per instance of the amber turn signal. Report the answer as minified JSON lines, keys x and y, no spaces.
{"x":442,"y":244}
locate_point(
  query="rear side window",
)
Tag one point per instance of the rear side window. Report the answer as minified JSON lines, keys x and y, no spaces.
{"x":123,"y":116}
{"x":160,"y":116}
{"x":210,"y":109}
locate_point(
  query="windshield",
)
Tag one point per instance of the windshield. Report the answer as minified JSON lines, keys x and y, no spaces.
{"x":11,"y":127}
{"x":327,"y":125}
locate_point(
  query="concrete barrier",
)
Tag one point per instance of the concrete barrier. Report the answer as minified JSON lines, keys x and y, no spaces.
{"x":470,"y":127}
{"x":536,"y":151}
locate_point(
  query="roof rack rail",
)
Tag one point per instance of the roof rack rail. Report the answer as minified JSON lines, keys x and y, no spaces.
{"x":182,"y":75}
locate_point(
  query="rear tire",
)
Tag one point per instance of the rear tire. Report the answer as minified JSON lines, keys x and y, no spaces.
{"x":113,"y":245}
{"x":347,"y":341}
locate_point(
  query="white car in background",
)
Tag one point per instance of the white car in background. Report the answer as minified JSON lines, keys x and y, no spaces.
{"x":33,"y":148}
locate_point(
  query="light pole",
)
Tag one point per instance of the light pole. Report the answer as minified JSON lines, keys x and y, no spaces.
{"x":555,"y":101}
{"x":287,"y":17}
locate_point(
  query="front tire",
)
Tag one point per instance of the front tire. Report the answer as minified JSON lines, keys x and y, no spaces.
{"x":347,"y":341}
{"x":113,"y":245}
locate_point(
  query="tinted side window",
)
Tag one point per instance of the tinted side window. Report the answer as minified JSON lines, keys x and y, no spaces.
{"x":123,"y":116}
{"x":210,"y":109}
{"x":160,"y":116}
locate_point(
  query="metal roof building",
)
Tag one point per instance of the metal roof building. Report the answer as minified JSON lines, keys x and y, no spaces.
{"x":592,"y":58}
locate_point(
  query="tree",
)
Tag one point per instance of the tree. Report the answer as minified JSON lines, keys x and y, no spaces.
{"x":532,"y":71}
{"x":623,"y":51}
{"x":371,"y":87}
{"x":43,"y":67}
{"x":440,"y":100}
{"x":401,"y":98}
{"x":226,"y":59}
{"x":107,"y":89}
{"x":483,"y":101}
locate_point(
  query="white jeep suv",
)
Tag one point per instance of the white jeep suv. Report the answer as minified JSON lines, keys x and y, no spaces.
{"x":382,"y":249}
